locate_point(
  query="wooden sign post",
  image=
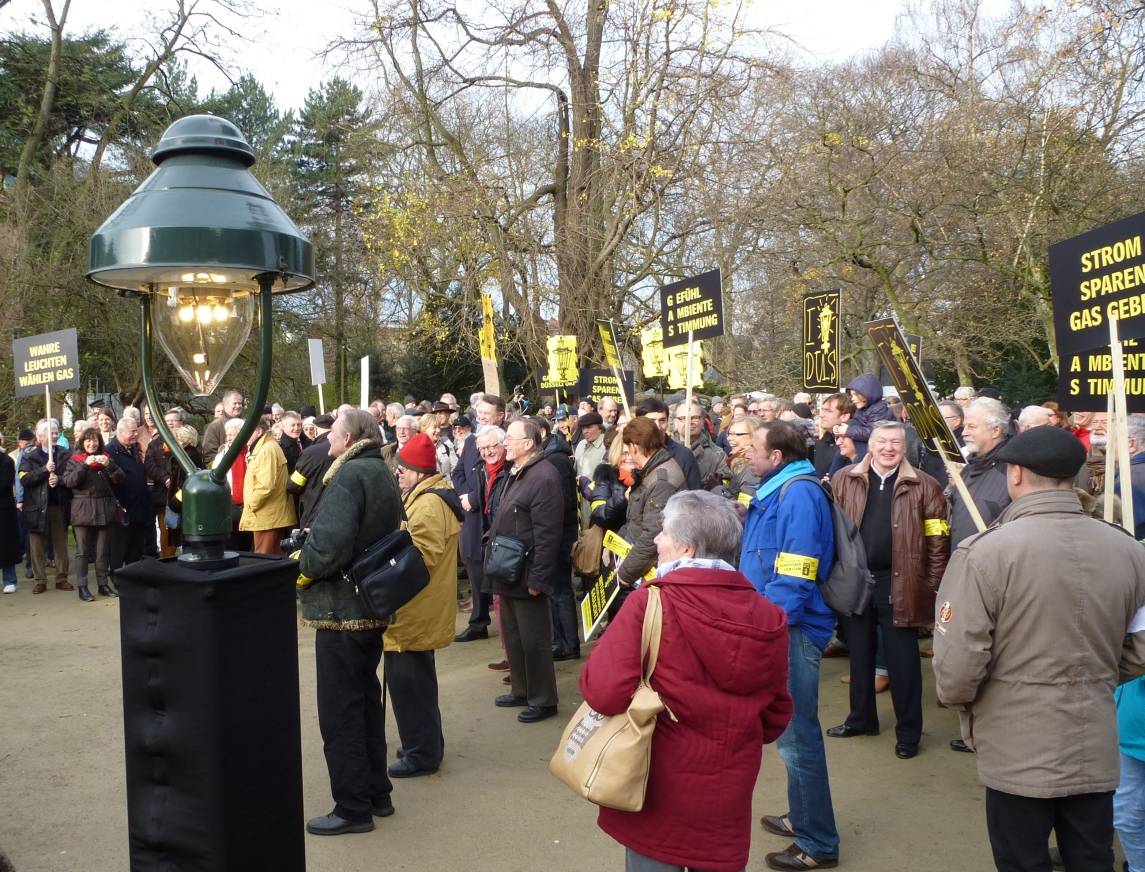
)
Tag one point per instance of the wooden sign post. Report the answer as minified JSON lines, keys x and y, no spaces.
{"x":688,"y":398}
{"x":1117,"y":432}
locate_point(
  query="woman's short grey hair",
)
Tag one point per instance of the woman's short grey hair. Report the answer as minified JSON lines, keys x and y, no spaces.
{"x":994,"y":414}
{"x":1033,"y":416}
{"x":233,"y":425}
{"x":405,"y":421}
{"x":706,"y":522}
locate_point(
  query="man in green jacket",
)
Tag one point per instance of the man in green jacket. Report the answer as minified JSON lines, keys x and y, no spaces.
{"x":360,"y":504}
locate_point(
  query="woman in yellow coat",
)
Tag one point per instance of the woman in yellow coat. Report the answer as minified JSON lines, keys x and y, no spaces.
{"x":268,"y":510}
{"x":428,"y":621}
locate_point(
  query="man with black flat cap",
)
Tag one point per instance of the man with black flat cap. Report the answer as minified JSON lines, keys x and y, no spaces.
{"x":1029,"y":650}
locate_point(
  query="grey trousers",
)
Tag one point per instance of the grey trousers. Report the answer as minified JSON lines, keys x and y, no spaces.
{"x":634,"y":862}
{"x":527,"y":631}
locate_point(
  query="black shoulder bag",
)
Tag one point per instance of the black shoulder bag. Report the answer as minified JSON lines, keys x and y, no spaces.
{"x":388,"y":574}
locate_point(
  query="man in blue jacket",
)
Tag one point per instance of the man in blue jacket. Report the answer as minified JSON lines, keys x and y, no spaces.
{"x":788,"y":546}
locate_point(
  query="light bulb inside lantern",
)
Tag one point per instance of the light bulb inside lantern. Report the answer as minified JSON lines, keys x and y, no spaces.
{"x":204,"y":333}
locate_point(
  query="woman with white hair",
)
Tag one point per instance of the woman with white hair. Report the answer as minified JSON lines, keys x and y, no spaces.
{"x":721,"y":670}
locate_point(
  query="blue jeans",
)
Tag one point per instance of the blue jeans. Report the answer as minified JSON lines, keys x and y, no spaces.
{"x":9,"y":575}
{"x":801,"y":747}
{"x":1129,"y":811}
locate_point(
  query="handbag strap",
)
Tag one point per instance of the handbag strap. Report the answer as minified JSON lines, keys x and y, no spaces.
{"x":650,"y":636}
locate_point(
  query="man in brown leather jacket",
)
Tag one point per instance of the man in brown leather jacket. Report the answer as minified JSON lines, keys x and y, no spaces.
{"x":901,"y":515}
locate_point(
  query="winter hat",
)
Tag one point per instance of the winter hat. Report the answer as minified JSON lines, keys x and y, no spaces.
{"x":308,"y":411}
{"x":419,"y":454}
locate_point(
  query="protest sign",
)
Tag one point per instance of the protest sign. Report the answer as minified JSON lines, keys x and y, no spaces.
{"x":612,"y":355}
{"x":821,"y":341}
{"x":678,"y":366}
{"x":912,"y":388}
{"x":596,"y":384}
{"x":653,"y":357}
{"x":692,"y":307}
{"x":1085,"y":380}
{"x":563,"y":371}
{"x":47,"y":361}
{"x":914,"y":343}
{"x":595,"y":604}
{"x":488,"y":342}
{"x":1095,"y":277}
{"x":318,"y":371}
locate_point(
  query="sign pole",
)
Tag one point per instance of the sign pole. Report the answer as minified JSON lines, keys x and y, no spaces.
{"x":688,"y":397}
{"x":1110,"y":415}
{"x":321,"y":399}
{"x":956,"y":477}
{"x":1121,"y":433}
{"x":48,"y":418}
{"x":623,"y":393}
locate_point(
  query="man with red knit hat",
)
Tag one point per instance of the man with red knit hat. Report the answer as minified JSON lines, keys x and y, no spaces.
{"x":426,"y":622}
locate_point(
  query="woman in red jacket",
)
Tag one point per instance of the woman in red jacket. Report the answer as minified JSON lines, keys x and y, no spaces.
{"x":722,"y":672}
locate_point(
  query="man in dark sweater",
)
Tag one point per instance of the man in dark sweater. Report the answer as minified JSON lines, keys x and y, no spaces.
{"x":836,"y":409}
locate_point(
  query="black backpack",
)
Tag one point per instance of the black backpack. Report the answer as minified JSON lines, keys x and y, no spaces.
{"x":850,"y":584}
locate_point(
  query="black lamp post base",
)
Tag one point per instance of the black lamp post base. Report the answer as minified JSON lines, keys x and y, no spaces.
{"x":211,"y":715}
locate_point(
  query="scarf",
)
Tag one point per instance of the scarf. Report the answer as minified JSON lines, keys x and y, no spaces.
{"x":492,"y":470}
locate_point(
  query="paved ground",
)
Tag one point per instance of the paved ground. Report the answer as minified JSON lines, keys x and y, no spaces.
{"x":493,"y":806}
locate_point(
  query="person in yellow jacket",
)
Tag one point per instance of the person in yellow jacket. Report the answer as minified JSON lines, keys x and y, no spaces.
{"x":268,"y":510}
{"x":427,"y":622}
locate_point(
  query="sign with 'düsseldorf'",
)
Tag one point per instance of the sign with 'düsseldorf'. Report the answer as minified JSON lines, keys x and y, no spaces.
{"x":50,"y":359}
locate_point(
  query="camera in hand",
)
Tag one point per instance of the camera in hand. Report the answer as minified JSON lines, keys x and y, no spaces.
{"x":293,"y":542}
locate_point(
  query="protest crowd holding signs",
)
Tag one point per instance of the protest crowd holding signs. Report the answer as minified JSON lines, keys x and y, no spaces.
{"x":625,"y":517}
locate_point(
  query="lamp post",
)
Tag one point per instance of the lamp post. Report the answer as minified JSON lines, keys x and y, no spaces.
{"x":209,"y":639}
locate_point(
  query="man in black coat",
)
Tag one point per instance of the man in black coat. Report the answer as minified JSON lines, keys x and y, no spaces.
{"x":530,"y":515}
{"x":490,"y":411}
{"x":566,"y":635}
{"x":129,"y":541}
{"x":836,"y":409}
{"x":293,"y":441}
{"x":305,"y":481}
{"x":45,"y":506}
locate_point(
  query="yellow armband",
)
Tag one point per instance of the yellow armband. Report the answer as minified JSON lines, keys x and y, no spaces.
{"x":797,"y":565}
{"x":935,"y":527}
{"x":298,"y":478}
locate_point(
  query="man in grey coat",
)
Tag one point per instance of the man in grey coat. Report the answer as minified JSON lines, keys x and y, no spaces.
{"x":1029,"y":652}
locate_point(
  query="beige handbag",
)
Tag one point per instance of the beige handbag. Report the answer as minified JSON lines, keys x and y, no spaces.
{"x":605,"y":758}
{"x":586,"y":552}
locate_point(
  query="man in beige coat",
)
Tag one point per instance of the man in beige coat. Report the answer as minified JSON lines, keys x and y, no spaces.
{"x":1032,"y":626}
{"x":428,"y":621}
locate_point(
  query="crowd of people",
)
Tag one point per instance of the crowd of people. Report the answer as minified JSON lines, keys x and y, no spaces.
{"x":733,"y":508}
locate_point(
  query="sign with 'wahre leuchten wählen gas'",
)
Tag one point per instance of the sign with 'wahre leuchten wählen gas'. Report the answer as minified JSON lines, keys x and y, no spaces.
{"x":50,"y":359}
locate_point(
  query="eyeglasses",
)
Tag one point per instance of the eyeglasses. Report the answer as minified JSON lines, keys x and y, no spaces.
{"x":489,"y":449}
{"x":515,"y":438}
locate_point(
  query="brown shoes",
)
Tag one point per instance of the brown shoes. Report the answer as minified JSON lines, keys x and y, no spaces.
{"x":64,"y":585}
{"x":39,"y":587}
{"x":795,"y":858}
{"x":777,"y":824}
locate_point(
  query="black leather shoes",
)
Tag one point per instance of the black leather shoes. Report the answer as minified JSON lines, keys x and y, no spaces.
{"x":470,"y":634}
{"x":403,"y":768}
{"x":507,"y":700}
{"x":107,"y":590}
{"x":535,"y":713}
{"x":85,"y":594}
{"x":383,"y":808}
{"x":904,"y":751}
{"x":792,"y":857}
{"x":959,"y":745}
{"x":333,"y":825}
{"x":846,"y":731}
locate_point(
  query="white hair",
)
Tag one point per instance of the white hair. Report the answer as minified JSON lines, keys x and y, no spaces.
{"x":496,"y":432}
{"x":965,"y":392}
{"x":131,"y":412}
{"x":706,"y":522}
{"x":994,"y":414}
{"x":1033,"y":416}
{"x":397,"y":409}
{"x":233,"y":425}
{"x":406,"y":421}
{"x":1135,"y":427}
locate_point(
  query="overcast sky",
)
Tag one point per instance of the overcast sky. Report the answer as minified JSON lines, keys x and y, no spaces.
{"x":285,"y":61}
